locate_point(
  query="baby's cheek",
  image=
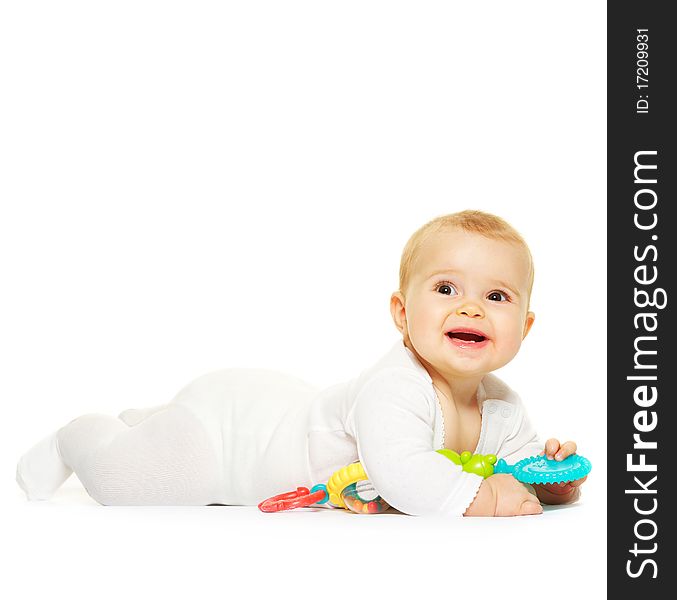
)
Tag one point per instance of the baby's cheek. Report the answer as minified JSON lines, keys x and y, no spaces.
{"x":510,"y":345}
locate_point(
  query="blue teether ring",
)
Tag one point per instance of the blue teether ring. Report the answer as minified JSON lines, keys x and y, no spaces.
{"x":539,"y":469}
{"x":317,"y":488}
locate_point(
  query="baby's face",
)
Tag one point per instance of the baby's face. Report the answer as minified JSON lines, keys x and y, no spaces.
{"x":466,"y":306}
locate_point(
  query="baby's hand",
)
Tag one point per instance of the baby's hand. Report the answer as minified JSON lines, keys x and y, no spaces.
{"x":559,"y":493}
{"x":502,"y":495}
{"x":555,"y":451}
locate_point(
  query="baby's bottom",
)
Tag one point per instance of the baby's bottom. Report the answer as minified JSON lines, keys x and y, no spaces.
{"x":152,"y":457}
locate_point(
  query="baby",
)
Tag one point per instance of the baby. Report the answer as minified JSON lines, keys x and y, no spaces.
{"x":239,"y":436}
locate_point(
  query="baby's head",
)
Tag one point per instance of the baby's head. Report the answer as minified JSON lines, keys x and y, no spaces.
{"x":465,"y":286}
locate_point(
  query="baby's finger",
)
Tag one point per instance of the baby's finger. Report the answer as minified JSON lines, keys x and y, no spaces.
{"x":551,"y":446}
{"x":566,"y":449}
{"x":530,"y":505}
{"x":531,"y":508}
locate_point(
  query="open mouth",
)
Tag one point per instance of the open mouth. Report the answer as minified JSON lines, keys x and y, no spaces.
{"x":468,"y":339}
{"x":466,"y":336}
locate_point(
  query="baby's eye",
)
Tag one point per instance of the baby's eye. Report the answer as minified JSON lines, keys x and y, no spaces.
{"x":446,"y":288}
{"x":498,"y":297}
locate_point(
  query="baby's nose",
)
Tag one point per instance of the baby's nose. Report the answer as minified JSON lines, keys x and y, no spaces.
{"x":470,"y":309}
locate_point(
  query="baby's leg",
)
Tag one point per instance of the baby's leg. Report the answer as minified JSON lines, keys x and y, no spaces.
{"x":165,"y":459}
{"x":44,"y":468}
{"x":41,"y":471}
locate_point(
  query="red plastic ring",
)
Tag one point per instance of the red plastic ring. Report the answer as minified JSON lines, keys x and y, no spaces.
{"x":290,"y":500}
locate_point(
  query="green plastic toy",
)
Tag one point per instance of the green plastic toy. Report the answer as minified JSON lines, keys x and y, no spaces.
{"x":479,"y":464}
{"x":532,"y":470}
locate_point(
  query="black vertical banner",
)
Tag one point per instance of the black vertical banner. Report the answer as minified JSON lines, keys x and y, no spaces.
{"x":642,"y":430}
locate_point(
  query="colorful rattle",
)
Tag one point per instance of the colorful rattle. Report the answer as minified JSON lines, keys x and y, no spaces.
{"x":349,"y":487}
{"x":532,"y":470}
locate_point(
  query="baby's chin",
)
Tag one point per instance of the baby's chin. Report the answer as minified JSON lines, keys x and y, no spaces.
{"x":452,"y":361}
{"x":469,"y":364}
{"x":461,"y":367}
{"x":468,"y":372}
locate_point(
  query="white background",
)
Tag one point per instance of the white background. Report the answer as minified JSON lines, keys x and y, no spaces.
{"x":188,"y":186}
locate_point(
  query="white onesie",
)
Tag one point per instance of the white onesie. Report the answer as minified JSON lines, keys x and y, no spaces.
{"x":239,"y":436}
{"x":276,"y":432}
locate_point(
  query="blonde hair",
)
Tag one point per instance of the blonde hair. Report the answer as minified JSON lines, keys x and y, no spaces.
{"x":473,"y":221}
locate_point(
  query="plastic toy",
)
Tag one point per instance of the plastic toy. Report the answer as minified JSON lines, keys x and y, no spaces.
{"x":480,"y":464}
{"x":350,"y":488}
{"x":347,"y":488}
{"x":539,"y":469}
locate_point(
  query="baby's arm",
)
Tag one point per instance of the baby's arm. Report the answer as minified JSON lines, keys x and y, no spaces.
{"x":392,"y":422}
{"x":524,"y":443}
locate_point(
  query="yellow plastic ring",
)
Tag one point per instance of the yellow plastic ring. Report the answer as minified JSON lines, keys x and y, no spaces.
{"x":341,"y":479}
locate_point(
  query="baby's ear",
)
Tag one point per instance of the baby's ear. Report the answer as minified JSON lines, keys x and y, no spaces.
{"x":397,"y":310}
{"x":528,"y":322}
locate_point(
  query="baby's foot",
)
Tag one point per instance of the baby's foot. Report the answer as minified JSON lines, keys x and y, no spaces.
{"x":134,"y":416}
{"x":40,"y":472}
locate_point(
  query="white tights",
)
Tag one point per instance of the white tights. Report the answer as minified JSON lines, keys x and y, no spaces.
{"x":157,"y":456}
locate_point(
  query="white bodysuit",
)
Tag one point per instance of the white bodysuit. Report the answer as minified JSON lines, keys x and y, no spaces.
{"x":239,"y":436}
